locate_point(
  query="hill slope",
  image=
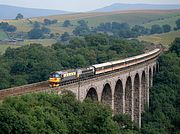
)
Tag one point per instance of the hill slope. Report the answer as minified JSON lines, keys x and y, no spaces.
{"x":10,"y":12}
{"x":120,"y":6}
{"x":165,"y":39}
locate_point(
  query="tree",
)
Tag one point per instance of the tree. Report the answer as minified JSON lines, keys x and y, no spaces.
{"x":35,"y":33}
{"x":163,"y":116}
{"x":124,"y":122}
{"x":6,"y":27}
{"x":47,"y":21}
{"x":51,"y":113}
{"x":11,"y":28}
{"x":166,"y":28}
{"x":140,"y":30}
{"x":65,"y":36}
{"x":45,"y":30}
{"x":178,"y":24}
{"x":36,"y":24}
{"x":156,"y":29}
{"x":54,"y":21}
{"x":82,"y":29}
{"x":4,"y":77}
{"x":66,"y":23}
{"x":97,"y":39}
{"x":19,"y":16}
{"x":176,"y":46}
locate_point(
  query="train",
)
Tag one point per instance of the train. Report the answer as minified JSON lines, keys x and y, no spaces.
{"x":56,"y":78}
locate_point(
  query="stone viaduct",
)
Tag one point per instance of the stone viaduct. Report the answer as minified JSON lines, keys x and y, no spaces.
{"x":126,"y":91}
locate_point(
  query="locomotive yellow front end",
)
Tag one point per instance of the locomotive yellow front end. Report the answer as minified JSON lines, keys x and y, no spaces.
{"x":54,"y":79}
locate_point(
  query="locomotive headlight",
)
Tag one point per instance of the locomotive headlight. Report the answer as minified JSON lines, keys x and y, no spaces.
{"x":54,"y":79}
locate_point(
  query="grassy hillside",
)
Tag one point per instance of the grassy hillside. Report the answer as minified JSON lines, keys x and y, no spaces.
{"x":141,"y":17}
{"x":168,"y":19}
{"x":3,"y":35}
{"x":21,"y":25}
{"x":164,"y":39}
{"x":135,"y":18}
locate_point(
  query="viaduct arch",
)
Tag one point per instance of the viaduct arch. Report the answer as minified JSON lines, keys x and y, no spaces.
{"x":125,"y":92}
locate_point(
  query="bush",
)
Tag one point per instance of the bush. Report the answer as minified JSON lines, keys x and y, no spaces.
{"x":35,"y":33}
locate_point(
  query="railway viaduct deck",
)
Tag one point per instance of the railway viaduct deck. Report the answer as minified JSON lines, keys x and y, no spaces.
{"x":125,"y":90}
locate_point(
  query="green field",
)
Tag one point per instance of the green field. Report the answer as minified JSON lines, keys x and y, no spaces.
{"x":3,"y":35}
{"x":165,"y":39}
{"x":44,"y":42}
{"x":4,"y":47}
{"x":130,"y":18}
{"x":167,"y":20}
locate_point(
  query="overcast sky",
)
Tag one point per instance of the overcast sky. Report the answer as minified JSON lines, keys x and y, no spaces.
{"x":78,"y":5}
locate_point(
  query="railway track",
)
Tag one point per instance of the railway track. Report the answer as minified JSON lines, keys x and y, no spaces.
{"x":30,"y":88}
{"x":44,"y":86}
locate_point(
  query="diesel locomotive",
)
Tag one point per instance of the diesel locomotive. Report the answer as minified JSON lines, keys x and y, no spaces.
{"x":58,"y":77}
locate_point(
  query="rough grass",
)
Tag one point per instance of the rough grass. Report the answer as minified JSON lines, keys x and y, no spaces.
{"x":21,"y":25}
{"x":165,"y":39}
{"x":4,"y":47}
{"x":44,"y":42}
{"x":170,"y":20}
{"x":3,"y":35}
{"x":130,"y":18}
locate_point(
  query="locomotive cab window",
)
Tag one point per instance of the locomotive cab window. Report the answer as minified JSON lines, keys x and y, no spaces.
{"x":54,"y":75}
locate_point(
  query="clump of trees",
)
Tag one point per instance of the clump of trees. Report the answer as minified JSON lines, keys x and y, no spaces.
{"x":163,"y":116}
{"x":178,"y":24}
{"x":82,"y":29}
{"x":34,"y":62}
{"x":6,"y":27}
{"x":19,"y":16}
{"x":37,"y":33}
{"x":166,"y":28}
{"x":51,"y":113}
{"x":157,"y":29}
{"x":67,"y":23}
{"x":49,"y":22}
{"x":65,"y":36}
{"x":123,"y":30}
{"x":36,"y":24}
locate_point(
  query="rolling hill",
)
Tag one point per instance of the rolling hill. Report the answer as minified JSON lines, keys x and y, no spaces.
{"x":135,"y":17}
{"x":10,"y":12}
{"x":165,"y":39}
{"x":120,"y":7}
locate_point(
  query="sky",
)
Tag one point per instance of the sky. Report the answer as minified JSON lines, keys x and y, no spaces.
{"x":78,"y":5}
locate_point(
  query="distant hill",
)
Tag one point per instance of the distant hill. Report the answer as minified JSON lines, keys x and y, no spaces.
{"x":10,"y":12}
{"x":119,"y":7}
